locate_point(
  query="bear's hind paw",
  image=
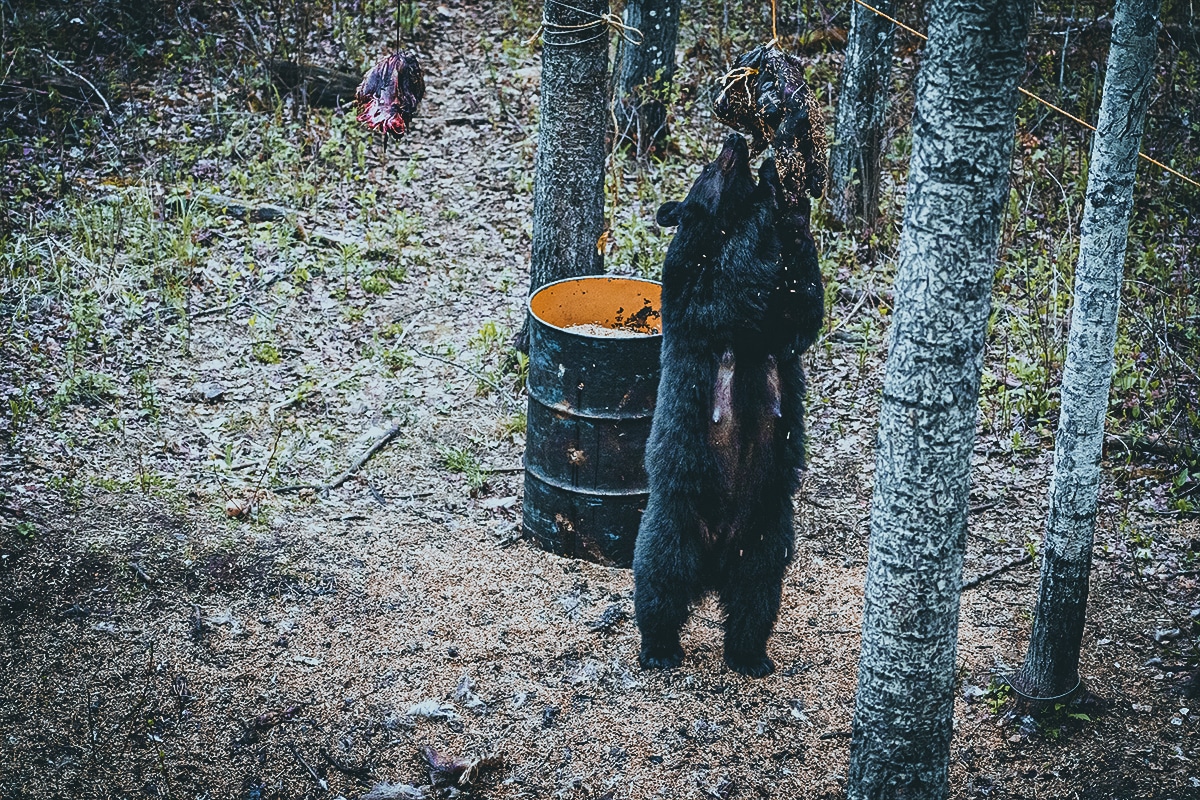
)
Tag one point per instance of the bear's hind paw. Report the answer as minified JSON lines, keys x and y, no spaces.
{"x":757,"y":666}
{"x":660,"y":657}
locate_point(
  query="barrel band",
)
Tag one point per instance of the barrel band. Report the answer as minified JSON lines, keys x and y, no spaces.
{"x":573,"y":412}
{"x":531,"y":472}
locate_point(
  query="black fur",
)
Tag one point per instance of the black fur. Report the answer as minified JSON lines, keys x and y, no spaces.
{"x":742,"y":299}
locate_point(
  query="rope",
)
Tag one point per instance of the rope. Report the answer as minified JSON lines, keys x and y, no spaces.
{"x":606,"y":21}
{"x":1034,"y":699}
{"x":732,"y":77}
{"x":1031,"y":95}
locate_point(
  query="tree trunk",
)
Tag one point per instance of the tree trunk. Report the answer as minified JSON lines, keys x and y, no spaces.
{"x":568,"y":191}
{"x":647,"y":70}
{"x":857,"y":150}
{"x":962,"y":148}
{"x":1051,"y":666}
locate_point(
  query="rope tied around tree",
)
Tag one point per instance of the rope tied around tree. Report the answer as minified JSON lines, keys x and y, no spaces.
{"x":1033,"y":699}
{"x":555,"y":34}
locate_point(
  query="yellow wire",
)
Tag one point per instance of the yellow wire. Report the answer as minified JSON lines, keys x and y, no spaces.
{"x":1027,"y":93}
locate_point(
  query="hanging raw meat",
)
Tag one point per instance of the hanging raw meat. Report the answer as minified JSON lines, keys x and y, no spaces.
{"x":389,"y":93}
{"x":765,"y":96}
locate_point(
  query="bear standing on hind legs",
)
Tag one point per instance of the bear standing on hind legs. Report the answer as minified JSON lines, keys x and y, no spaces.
{"x":742,"y":299}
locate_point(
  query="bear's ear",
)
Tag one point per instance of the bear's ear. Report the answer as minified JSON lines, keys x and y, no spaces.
{"x":669,"y":214}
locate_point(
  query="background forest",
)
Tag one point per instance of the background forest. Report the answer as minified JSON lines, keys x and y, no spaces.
{"x":217,"y":291}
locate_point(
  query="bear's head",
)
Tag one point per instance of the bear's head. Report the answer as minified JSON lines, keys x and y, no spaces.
{"x":722,"y":192}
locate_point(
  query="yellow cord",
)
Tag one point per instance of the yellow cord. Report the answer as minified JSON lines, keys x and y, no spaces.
{"x":1027,"y":93}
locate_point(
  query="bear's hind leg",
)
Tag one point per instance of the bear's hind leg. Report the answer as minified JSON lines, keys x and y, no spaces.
{"x":751,"y":594}
{"x":666,"y":579}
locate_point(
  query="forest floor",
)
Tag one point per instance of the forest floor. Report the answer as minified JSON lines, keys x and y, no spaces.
{"x":172,"y":626}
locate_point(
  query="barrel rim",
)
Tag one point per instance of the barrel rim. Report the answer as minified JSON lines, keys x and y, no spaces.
{"x":588,"y":336}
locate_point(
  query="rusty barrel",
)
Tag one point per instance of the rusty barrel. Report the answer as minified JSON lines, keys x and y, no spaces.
{"x":593,"y":375}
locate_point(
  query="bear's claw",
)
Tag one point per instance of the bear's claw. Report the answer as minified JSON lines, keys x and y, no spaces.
{"x":660,"y":657}
{"x":751,"y":666}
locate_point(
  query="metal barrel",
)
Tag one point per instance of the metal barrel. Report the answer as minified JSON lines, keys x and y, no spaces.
{"x":591,"y":399}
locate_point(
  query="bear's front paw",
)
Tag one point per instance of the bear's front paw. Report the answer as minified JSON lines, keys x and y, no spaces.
{"x":752,"y":666}
{"x":660,"y":656}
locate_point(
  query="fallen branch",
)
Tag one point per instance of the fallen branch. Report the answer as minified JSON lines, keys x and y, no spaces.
{"x":834,"y":735}
{"x":987,"y":506}
{"x":143,"y":576}
{"x":312,"y":773}
{"x":1155,"y":446}
{"x":322,"y":87}
{"x":380,"y":443}
{"x":978,"y":579}
{"x":246,"y":210}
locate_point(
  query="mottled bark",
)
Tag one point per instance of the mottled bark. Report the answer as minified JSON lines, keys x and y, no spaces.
{"x":647,"y":70}
{"x":1052,"y":664}
{"x":568,"y":184}
{"x":962,"y":147}
{"x":857,"y":152}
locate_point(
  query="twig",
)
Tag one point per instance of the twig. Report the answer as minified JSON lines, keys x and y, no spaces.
{"x":72,"y":72}
{"x":300,"y":393}
{"x":204,"y":312}
{"x":365,"y":457}
{"x":484,"y":380}
{"x":990,"y":504}
{"x":978,"y":579}
{"x":364,"y":770}
{"x":312,"y":773}
{"x":143,"y":576}
{"x":834,"y":735}
{"x":412,"y":496}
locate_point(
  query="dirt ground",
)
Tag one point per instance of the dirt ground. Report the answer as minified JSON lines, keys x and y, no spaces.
{"x":152,"y":645}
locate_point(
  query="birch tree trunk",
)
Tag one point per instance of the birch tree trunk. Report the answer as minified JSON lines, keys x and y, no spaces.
{"x":857,"y":152}
{"x":647,"y":70}
{"x":1051,"y":665}
{"x":962,"y":148}
{"x":568,"y":182}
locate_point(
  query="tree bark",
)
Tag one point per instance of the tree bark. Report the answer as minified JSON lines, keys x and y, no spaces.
{"x":962,"y":148}
{"x":1051,"y":665}
{"x":857,"y":153}
{"x":647,"y":70}
{"x":568,"y":190}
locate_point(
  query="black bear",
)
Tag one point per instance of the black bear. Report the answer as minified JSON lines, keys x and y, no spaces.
{"x":742,"y":299}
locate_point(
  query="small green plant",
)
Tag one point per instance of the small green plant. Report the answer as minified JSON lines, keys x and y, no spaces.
{"x":488,"y":337}
{"x":1031,"y":549}
{"x":147,"y":395}
{"x":376,"y":283}
{"x":513,"y":425}
{"x":997,"y":696}
{"x":84,"y":387}
{"x":464,"y":462}
{"x":396,"y":358}
{"x":22,"y":408}
{"x":519,"y":368}
{"x":265,"y":352}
